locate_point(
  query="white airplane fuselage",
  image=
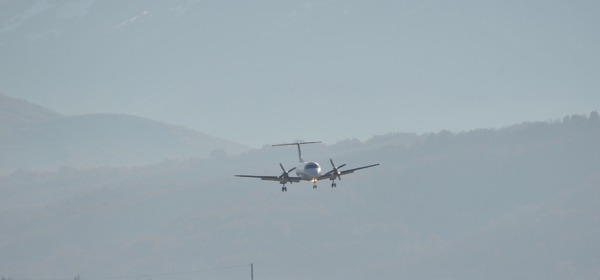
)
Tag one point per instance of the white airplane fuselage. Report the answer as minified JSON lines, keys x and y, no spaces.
{"x":308,"y":170}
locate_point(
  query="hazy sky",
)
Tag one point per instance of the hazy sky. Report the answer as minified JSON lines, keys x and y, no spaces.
{"x":260,"y":72}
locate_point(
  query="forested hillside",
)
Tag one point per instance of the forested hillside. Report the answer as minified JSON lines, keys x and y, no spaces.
{"x":519,"y":202}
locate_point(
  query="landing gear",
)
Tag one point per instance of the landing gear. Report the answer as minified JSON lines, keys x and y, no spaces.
{"x":284,"y":189}
{"x":333,"y":185}
{"x":314,"y":187}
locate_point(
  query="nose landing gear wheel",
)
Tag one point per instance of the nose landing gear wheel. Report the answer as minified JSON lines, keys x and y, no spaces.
{"x":333,"y":185}
{"x":314,"y":186}
{"x":284,"y":189}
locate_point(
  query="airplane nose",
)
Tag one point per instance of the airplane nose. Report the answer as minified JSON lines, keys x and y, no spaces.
{"x":314,"y":172}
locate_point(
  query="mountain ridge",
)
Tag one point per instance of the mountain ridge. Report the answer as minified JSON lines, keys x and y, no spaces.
{"x":38,"y":138}
{"x":16,"y":113}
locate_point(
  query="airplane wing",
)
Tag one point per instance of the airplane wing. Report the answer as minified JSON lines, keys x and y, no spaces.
{"x":272,"y":178}
{"x":344,"y":172}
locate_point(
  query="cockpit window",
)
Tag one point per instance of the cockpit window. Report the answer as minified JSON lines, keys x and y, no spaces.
{"x":311,"y":165}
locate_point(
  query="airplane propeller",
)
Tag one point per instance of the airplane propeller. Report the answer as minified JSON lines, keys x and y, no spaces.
{"x":285,"y":175}
{"x":336,"y":172}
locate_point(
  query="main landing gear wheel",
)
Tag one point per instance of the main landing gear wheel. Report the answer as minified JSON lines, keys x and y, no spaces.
{"x":333,"y":185}
{"x":284,"y":189}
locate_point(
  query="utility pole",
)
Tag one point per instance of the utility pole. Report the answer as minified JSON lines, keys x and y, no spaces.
{"x":252,"y":271}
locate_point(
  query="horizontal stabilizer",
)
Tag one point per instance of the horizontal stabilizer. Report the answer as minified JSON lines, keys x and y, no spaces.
{"x":297,"y":143}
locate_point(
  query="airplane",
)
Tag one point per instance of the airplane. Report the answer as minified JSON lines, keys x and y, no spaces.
{"x":307,"y":170}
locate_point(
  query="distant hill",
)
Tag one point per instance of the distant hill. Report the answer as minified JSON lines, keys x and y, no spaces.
{"x":514,"y":203}
{"x":17,"y":113}
{"x":34,"y":137}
